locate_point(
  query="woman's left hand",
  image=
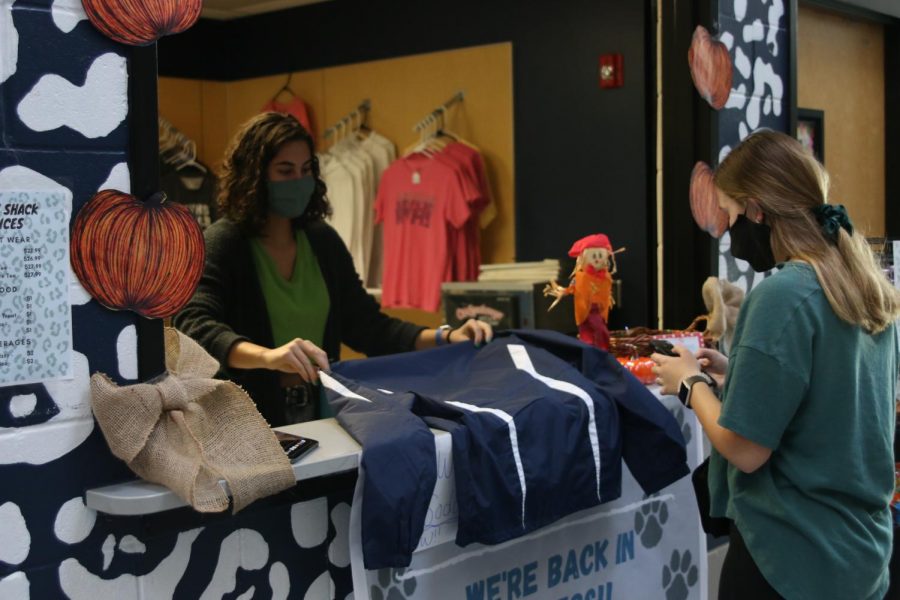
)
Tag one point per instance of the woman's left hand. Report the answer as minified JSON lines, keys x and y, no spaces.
{"x":474,"y":330}
{"x":671,"y":370}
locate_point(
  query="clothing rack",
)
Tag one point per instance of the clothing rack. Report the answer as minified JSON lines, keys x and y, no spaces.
{"x":175,"y":148}
{"x":360,"y":111}
{"x":439,"y":112}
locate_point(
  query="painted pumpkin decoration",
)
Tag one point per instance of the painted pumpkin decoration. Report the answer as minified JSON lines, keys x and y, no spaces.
{"x":639,"y":366}
{"x":704,"y":204}
{"x":141,"y":22}
{"x":146,"y":257}
{"x":711,"y":68}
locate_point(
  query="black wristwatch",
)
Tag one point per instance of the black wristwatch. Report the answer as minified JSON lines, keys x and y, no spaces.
{"x":684,"y":390}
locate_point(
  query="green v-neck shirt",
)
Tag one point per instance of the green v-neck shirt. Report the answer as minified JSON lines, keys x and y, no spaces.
{"x":298,"y":307}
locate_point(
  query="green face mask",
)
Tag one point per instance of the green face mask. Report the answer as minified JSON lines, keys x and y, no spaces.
{"x":291,"y":197}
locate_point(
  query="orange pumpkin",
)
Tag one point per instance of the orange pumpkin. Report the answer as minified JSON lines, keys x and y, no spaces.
{"x":704,"y":204}
{"x":640,"y":366}
{"x":141,"y":256}
{"x":141,"y":22}
{"x":711,"y":68}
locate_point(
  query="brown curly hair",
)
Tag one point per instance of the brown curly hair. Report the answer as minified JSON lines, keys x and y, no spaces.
{"x":243,"y":197}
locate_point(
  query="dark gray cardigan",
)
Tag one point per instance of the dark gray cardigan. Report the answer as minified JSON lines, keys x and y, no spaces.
{"x":228,"y":306}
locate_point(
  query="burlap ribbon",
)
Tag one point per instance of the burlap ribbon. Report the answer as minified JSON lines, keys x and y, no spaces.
{"x":188,"y":431}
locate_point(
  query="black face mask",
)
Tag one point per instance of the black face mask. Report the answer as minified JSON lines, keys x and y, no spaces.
{"x":752,"y":242}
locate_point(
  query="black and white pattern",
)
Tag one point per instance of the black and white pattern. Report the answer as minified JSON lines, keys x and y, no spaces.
{"x":63,"y":114}
{"x":757,"y":37}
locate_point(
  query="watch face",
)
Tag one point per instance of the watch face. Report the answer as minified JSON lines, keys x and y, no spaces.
{"x":683,"y":391}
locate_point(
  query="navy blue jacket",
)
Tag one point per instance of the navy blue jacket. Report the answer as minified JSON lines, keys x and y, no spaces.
{"x":540,"y":424}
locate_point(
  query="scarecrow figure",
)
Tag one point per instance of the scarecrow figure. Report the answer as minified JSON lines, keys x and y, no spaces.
{"x":591,"y":284}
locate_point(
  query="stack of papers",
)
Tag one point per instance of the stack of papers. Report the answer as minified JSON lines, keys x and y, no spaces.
{"x":536,"y":272}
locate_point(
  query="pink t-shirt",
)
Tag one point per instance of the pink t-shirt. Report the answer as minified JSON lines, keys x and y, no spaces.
{"x":295,"y":106}
{"x":423,"y":204}
{"x":467,"y":249}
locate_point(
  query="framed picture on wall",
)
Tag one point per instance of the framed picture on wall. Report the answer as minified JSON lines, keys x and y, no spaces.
{"x":811,"y":131}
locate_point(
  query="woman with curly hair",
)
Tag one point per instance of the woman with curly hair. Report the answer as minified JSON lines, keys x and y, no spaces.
{"x":279,"y":292}
{"x":802,"y":460}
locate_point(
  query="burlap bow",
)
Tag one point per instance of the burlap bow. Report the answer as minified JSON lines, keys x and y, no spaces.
{"x":188,"y":431}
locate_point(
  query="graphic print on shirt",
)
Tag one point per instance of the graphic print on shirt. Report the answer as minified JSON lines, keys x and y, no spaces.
{"x":414,"y":208}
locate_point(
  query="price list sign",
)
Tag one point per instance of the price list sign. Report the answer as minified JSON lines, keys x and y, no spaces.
{"x":35,"y":313}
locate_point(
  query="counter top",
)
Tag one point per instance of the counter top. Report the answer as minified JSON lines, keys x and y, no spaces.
{"x":337,"y":452}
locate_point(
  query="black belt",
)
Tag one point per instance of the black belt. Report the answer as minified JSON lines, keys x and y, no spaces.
{"x":298,"y":395}
{"x":301,"y":402}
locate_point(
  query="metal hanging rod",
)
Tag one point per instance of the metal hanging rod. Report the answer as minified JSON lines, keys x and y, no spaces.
{"x":361,"y":110}
{"x":439,"y":111}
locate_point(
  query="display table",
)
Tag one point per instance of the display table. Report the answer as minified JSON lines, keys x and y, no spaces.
{"x":632,"y":547}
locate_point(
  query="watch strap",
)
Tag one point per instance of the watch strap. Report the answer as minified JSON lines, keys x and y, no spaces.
{"x":687,"y":386}
{"x":439,"y":339}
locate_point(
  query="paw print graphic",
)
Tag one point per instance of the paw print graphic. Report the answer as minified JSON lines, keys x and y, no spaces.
{"x":390,"y":585}
{"x":683,"y":425}
{"x":648,"y":522}
{"x":679,"y":576}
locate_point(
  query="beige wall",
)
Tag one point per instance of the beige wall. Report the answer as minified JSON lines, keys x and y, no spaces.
{"x":402,"y":91}
{"x":840,"y":70}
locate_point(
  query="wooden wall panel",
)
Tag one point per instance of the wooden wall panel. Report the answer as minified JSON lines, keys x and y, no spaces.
{"x":215,"y":112}
{"x":181,"y":102}
{"x":840,"y":69}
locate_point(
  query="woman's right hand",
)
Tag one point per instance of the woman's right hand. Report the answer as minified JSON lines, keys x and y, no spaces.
{"x":713,"y":363}
{"x":297,"y":356}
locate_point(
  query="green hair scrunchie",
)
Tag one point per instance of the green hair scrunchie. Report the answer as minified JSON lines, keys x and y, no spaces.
{"x":831,"y":218}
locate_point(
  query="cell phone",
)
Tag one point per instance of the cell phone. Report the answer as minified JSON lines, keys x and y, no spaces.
{"x":295,"y":446}
{"x":663,"y":347}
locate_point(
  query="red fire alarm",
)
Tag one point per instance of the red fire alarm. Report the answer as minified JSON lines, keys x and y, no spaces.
{"x":612,"y":73}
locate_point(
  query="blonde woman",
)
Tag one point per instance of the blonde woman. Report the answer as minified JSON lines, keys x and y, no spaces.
{"x":802,"y":459}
